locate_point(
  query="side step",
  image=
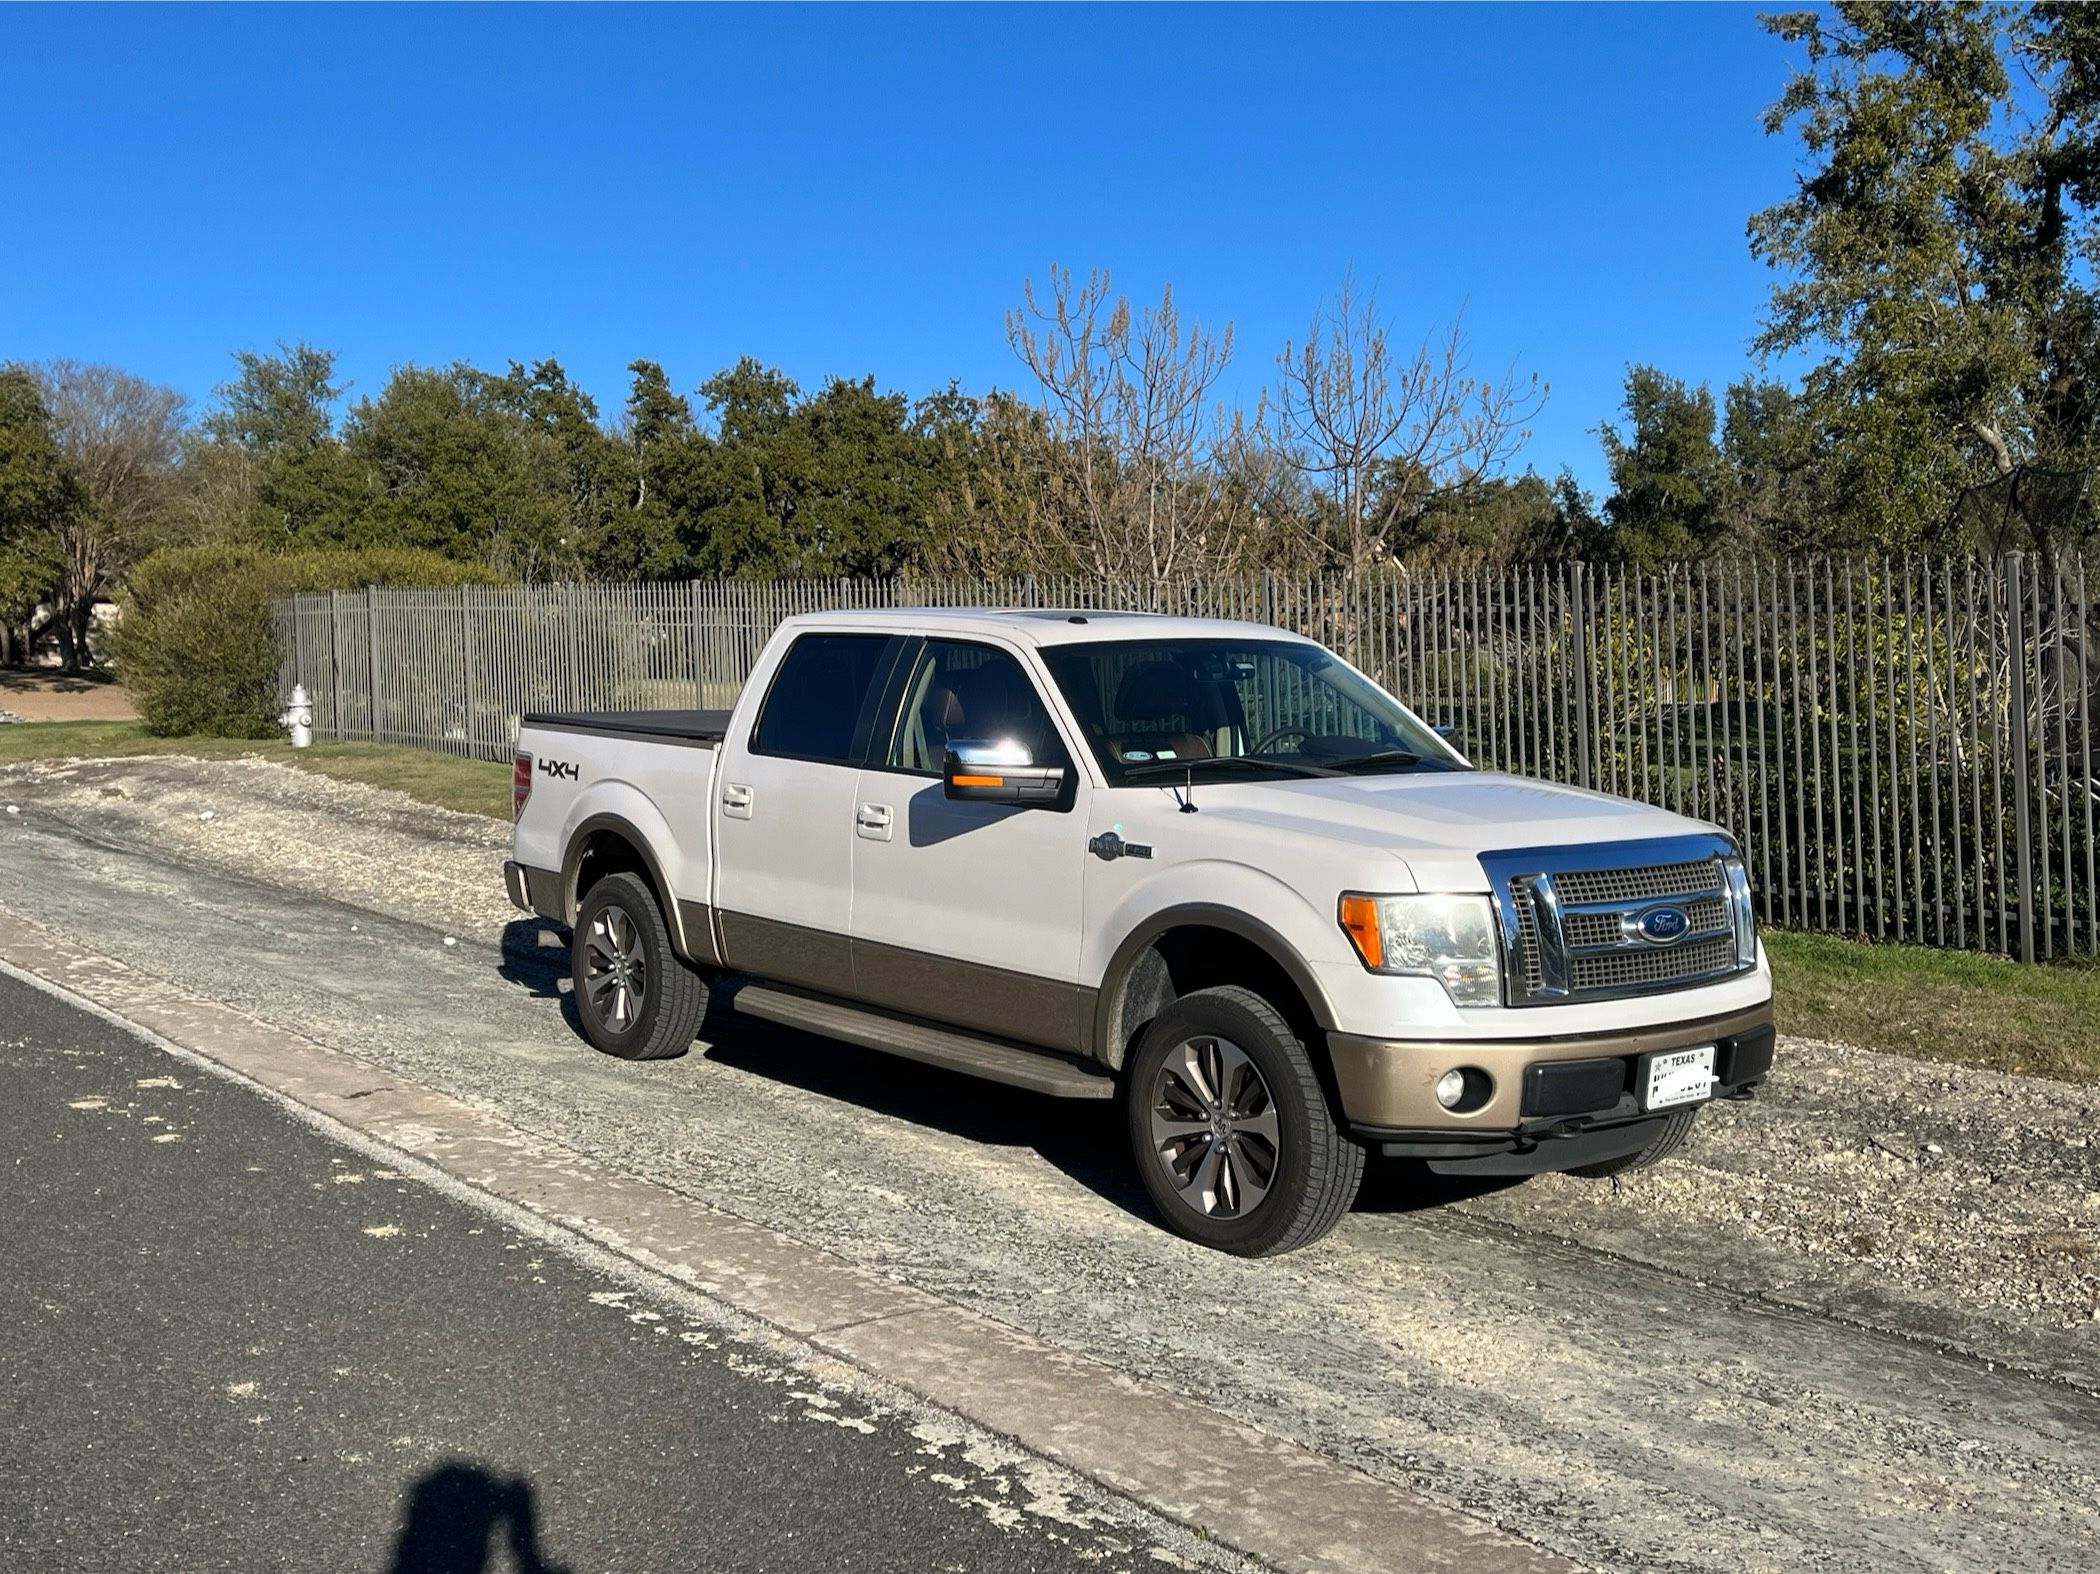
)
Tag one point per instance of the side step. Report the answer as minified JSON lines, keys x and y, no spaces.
{"x":1039,"y":1071}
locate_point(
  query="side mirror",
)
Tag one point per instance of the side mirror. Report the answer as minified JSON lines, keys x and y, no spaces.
{"x":983,"y":771}
{"x":1448,"y":731}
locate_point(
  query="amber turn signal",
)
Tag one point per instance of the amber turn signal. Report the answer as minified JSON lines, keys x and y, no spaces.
{"x":1360,"y":918}
{"x":979,"y":781}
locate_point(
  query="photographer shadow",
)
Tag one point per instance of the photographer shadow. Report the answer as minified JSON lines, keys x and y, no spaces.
{"x":458,"y":1514}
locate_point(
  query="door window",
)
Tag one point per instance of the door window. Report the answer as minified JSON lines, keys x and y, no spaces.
{"x":815,"y":708}
{"x":976,"y":692}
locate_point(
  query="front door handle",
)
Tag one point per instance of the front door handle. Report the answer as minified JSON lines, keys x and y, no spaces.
{"x":736,"y":801}
{"x":872,"y":821}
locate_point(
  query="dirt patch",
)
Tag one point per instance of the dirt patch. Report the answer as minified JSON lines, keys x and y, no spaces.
{"x":33,"y":695}
{"x":342,"y":840}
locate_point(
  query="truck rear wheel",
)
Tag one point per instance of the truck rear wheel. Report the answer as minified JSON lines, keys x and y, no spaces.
{"x":636,"y":997}
{"x":1231,"y":1130}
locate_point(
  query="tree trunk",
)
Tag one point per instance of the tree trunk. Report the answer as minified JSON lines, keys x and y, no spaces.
{"x":83,"y":621}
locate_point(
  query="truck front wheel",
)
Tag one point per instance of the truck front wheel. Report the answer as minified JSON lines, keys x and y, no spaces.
{"x":1230,"y":1128}
{"x":636,"y":997}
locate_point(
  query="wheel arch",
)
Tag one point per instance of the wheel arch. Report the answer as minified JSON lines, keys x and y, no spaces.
{"x":1192,"y":946}
{"x":604,"y":844}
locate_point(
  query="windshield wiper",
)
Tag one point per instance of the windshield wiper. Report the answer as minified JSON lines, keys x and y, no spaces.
{"x":1388,"y":757}
{"x":1184,"y":767}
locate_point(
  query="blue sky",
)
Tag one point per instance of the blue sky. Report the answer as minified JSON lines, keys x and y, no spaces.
{"x":862,"y":190}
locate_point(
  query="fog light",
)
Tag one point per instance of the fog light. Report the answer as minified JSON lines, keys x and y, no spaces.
{"x":1450,"y":1088}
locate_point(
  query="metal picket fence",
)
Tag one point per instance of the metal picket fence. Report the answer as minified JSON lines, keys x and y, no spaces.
{"x":1905,"y":747}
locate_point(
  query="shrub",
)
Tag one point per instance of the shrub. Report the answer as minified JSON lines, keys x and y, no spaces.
{"x":198,"y":646}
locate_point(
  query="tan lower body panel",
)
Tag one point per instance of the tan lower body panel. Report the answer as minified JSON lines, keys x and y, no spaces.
{"x":1391,"y":1082}
{"x":1025,"y":1007}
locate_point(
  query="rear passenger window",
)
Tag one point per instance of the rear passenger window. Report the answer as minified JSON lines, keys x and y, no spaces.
{"x":812,"y":712}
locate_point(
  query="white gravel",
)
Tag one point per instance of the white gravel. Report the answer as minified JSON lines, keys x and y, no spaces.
{"x":1667,"y":1372}
{"x":1861,"y":1173}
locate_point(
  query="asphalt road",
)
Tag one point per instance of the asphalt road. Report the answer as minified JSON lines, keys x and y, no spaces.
{"x":231,"y":1342}
{"x":1635,"y":1393}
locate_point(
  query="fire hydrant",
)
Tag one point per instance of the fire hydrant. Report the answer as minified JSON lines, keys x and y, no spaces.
{"x":298,"y":717}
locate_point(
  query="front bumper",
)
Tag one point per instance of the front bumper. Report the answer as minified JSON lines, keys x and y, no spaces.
{"x":1542,"y":1087}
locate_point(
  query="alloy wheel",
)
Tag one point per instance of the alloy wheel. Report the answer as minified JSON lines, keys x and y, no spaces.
{"x":1215,"y":1128}
{"x":616,"y":974}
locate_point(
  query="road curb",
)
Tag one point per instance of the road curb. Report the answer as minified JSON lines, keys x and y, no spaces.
{"x":1259,"y":1494}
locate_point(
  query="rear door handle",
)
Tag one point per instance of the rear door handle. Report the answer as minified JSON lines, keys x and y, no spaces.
{"x":872,"y":821}
{"x":736,"y":801}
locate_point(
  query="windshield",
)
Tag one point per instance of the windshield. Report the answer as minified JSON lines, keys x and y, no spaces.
{"x":1152,"y":709}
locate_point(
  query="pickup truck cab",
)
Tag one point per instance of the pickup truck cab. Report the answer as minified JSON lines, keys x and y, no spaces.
{"x":1204,"y":867}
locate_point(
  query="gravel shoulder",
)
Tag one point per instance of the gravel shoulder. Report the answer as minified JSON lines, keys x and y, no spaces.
{"x":1856,"y":1320}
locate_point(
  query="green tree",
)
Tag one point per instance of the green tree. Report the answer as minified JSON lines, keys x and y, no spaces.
{"x":1667,"y":474}
{"x":584,"y":466}
{"x":450,"y":463}
{"x":279,"y":404}
{"x":1937,"y":254}
{"x":1778,"y":494}
{"x":39,"y":493}
{"x":272,"y":469}
{"x":664,"y":462}
{"x":844,"y":482}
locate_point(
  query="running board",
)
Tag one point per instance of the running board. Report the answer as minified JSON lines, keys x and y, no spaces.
{"x":1039,"y":1071}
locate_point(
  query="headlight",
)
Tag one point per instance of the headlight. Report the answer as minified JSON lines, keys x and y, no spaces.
{"x":1448,"y":938}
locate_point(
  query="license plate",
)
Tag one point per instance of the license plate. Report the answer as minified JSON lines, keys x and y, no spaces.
{"x":1680,"y":1076}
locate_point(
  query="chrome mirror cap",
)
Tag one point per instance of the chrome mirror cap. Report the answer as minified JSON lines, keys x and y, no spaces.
{"x":990,"y":751}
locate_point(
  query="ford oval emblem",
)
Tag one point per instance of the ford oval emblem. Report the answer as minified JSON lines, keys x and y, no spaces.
{"x":1663,"y":925}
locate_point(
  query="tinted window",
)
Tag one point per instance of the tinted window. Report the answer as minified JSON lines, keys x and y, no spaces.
{"x":1142,"y":703}
{"x":976,"y":692}
{"x":814,"y":706}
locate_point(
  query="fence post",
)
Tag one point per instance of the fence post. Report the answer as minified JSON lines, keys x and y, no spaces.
{"x":2023,"y":835}
{"x":572,"y":642}
{"x":1268,"y":597}
{"x":1579,"y":654}
{"x":466,"y":672}
{"x":335,"y":663}
{"x":372,"y":640}
{"x":692,"y":594}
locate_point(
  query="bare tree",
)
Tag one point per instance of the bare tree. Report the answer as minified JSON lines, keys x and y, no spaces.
{"x":1135,"y":495}
{"x":122,"y":436}
{"x":1380,"y":432}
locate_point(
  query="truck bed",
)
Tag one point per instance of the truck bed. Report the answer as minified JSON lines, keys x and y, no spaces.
{"x":706,"y":728}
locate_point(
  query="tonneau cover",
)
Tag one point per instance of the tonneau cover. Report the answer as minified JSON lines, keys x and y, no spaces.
{"x":671,"y":726}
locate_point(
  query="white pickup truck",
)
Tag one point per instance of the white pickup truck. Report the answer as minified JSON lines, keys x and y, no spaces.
{"x":1205,"y":867}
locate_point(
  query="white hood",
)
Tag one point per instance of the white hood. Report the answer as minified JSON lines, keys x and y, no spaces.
{"x":1439,"y":820}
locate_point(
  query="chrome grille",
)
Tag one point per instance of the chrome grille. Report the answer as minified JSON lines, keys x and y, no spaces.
{"x":1571,"y":918}
{"x":1631,"y":969}
{"x":1578,"y":886}
{"x":1528,"y":944}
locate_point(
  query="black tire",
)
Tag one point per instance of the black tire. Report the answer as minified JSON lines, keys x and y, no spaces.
{"x":1670,"y":1133}
{"x":1313,"y":1169}
{"x":652,"y":1012}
